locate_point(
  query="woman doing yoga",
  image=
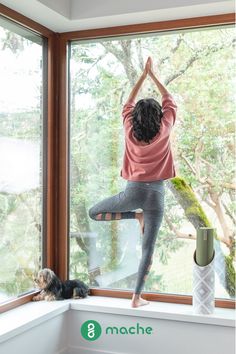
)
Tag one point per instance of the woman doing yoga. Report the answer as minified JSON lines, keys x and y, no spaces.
{"x":147,"y":162}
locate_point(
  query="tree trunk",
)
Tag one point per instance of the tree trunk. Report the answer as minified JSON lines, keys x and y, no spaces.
{"x":196,"y":215}
{"x":114,"y":258}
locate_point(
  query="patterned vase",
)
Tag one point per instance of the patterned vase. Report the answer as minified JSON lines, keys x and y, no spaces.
{"x":203,"y":287}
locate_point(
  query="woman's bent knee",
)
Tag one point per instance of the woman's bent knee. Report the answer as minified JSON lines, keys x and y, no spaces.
{"x":92,"y":213}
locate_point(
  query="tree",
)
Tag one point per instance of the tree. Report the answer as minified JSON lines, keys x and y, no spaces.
{"x":21,"y":123}
{"x":184,"y":59}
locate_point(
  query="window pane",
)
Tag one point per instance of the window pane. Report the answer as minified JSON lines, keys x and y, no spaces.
{"x":21,"y":176}
{"x":198,"y":67}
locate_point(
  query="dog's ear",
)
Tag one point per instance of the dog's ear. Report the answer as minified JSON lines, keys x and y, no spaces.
{"x":56,"y":285}
{"x":48,"y":275}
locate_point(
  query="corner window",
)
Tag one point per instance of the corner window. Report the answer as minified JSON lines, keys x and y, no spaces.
{"x":22,"y":155}
{"x":197,"y":67}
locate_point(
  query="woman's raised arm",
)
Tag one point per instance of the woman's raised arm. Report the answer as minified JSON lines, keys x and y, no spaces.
{"x":133,"y":94}
{"x":163,"y":90}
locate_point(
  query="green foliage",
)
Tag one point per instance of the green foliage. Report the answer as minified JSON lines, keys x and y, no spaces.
{"x":154,"y":282}
{"x":230,"y":275}
{"x":20,"y":245}
{"x":198,"y":67}
{"x":21,"y":125}
{"x":103,"y":72}
{"x":20,"y":214}
{"x":194,"y":209}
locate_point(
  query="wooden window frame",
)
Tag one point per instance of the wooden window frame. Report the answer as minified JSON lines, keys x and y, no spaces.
{"x":56,"y":253}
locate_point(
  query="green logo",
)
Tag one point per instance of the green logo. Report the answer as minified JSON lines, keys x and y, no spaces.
{"x":91,"y":330}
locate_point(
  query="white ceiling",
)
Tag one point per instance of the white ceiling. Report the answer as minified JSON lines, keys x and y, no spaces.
{"x":70,"y":15}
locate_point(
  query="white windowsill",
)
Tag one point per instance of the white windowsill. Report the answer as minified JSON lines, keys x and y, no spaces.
{"x":31,"y":314}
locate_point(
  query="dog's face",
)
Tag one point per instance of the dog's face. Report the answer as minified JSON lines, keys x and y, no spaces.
{"x":44,"y":278}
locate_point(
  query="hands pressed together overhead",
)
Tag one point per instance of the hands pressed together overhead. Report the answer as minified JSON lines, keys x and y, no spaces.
{"x":148,"y":67}
{"x":148,"y":70}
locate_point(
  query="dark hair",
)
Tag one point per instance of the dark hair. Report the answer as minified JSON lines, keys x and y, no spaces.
{"x":146,"y":119}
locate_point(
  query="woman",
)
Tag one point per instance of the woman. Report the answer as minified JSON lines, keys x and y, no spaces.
{"x":148,"y":161}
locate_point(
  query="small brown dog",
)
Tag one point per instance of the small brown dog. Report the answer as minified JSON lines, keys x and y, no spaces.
{"x":52,"y":288}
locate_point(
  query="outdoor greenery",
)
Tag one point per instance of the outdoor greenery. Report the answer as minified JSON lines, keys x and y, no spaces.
{"x":198,"y":66}
{"x":20,"y":161}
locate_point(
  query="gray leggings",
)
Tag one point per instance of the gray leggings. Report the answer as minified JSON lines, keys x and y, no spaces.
{"x":148,"y":196}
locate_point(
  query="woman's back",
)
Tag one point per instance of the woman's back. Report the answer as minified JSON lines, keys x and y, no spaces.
{"x":154,"y":160}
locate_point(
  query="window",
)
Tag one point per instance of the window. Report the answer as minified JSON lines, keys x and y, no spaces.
{"x":22,"y":175}
{"x":198,"y":66}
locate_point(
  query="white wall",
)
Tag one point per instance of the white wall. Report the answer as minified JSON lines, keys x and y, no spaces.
{"x":61,"y":334}
{"x":97,"y":8}
{"x":49,"y":337}
{"x":60,"y":6}
{"x":168,"y":337}
{"x":60,"y":17}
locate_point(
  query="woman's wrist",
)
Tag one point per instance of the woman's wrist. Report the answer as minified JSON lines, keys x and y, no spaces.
{"x":144,"y":74}
{"x":152,"y":75}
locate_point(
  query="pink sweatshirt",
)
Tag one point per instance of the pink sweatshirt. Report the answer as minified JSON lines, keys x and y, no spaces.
{"x":154,"y":161}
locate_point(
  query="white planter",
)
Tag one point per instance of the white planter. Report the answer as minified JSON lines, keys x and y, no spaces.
{"x":203,"y":287}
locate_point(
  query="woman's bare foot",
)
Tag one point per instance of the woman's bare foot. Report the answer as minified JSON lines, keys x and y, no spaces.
{"x":140,"y":218}
{"x":137,"y":301}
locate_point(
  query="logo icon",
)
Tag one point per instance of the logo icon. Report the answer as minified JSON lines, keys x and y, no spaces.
{"x":91,"y":330}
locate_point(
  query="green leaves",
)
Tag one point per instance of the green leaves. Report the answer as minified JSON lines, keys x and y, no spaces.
{"x":198,"y":67}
